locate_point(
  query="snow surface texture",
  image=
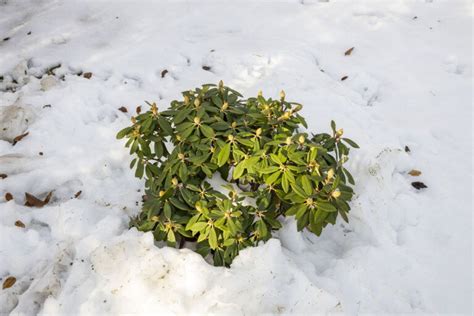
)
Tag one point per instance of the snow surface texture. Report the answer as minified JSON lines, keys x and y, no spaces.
{"x":409,"y":84}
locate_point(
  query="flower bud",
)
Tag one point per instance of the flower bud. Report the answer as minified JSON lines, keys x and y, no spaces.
{"x":258,"y":132}
{"x":301,"y":139}
{"x":162,"y":193}
{"x":282,"y":95}
{"x":230,"y":138}
{"x":197,"y":120}
{"x":181,"y":156}
{"x":174,"y":181}
{"x":330,"y":173}
{"x":225,"y":106}
{"x":197,"y":103}
{"x":234,"y":124}
{"x":186,"y":100}
{"x":221,"y":84}
{"x":335,"y":194}
{"x":288,"y":141}
{"x":339,"y":132}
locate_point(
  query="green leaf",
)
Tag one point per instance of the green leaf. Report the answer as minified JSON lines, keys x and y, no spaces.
{"x":124,"y":132}
{"x":167,"y":210}
{"x":238,"y":170}
{"x":224,"y":154}
{"x":139,"y":171}
{"x":165,"y":126}
{"x":306,"y":183}
{"x":351,"y":142}
{"x":207,"y":131}
{"x":213,"y":239}
{"x":326,"y":206}
{"x":298,"y":190}
{"x":199,"y":226}
{"x":295,"y":209}
{"x":284,"y":182}
{"x":272,"y":178}
{"x":171,"y":237}
{"x":182,"y":114}
{"x":267,"y":170}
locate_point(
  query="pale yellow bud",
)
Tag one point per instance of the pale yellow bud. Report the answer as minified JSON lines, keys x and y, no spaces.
{"x":339,"y":132}
{"x":174,"y":181}
{"x":230,"y":138}
{"x":181,"y":156}
{"x":221,"y":84}
{"x":162,"y":193}
{"x":288,"y":141}
{"x":155,"y":218}
{"x":330,"y":173}
{"x":335,"y":194}
{"x":197,"y":120}
{"x":225,"y":106}
{"x":301,"y":139}
{"x":197,"y":103}
{"x":234,"y":124}
{"x":258,"y":132}
{"x":282,"y":95}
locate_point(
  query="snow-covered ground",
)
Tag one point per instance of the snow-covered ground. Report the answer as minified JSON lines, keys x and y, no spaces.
{"x":409,"y":84}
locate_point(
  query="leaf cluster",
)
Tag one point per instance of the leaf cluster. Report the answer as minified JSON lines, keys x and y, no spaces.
{"x":271,"y":168}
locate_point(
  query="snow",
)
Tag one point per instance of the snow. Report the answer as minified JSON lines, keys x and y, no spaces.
{"x":409,"y":84}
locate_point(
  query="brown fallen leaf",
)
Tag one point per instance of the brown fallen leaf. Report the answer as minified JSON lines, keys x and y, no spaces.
{"x":19,"y":138}
{"x":87,"y":75}
{"x":206,"y":68}
{"x":31,"y":200}
{"x":3,"y":176}
{"x":414,"y":173}
{"x":77,"y":194}
{"x":139,"y":109}
{"x":407,"y":149}
{"x":9,"y":282}
{"x":19,"y":223}
{"x":123,"y":109}
{"x":344,"y":78}
{"x":163,"y":73}
{"x":349,"y":51}
{"x":8,"y":196}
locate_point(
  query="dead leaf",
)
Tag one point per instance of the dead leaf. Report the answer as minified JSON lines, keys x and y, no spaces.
{"x":20,"y":224}
{"x":87,"y":75}
{"x":206,"y":68}
{"x":123,"y":109}
{"x":414,"y":173}
{"x":3,"y":176}
{"x":407,"y":149}
{"x":8,"y":196}
{"x":19,"y":138}
{"x":163,"y":73}
{"x":8,"y":283}
{"x":344,"y":78}
{"x":31,"y":200}
{"x":419,"y":185}
{"x":139,"y":109}
{"x":349,"y":51}
{"x":77,"y":194}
